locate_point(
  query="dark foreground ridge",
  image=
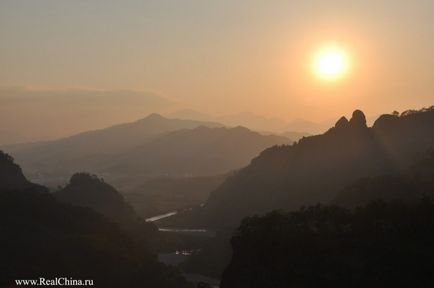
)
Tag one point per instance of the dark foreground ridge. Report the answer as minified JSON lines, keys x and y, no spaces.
{"x":379,"y":245}
{"x":44,"y":238}
{"x":316,"y":168}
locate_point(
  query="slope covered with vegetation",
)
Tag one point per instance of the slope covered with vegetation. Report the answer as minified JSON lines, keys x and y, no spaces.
{"x":44,"y":238}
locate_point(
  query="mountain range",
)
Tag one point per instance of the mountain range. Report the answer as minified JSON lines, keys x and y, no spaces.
{"x":130,"y":153}
{"x":316,"y":168}
{"x":88,"y":149}
{"x":201,"y":151}
{"x":256,"y":122}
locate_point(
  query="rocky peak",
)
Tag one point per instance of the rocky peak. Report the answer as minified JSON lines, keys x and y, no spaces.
{"x":358,"y":119}
{"x":342,"y":123}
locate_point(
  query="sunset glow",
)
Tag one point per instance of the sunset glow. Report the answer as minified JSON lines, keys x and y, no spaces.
{"x":330,"y":63}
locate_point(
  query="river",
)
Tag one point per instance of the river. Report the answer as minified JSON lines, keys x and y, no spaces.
{"x":162,"y":216}
{"x":176,"y":258}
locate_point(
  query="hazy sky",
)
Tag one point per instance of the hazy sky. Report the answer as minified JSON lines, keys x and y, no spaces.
{"x":224,"y":56}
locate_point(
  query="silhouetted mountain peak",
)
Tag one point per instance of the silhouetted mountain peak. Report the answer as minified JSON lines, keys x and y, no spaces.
{"x":6,"y":161}
{"x":342,"y":123}
{"x":83,"y":178}
{"x":11,"y":175}
{"x":384,"y":120}
{"x":84,"y":187}
{"x":88,"y":190}
{"x":358,"y":119}
{"x":154,"y":116}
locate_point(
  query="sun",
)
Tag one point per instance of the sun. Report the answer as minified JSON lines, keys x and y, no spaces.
{"x":330,"y":63}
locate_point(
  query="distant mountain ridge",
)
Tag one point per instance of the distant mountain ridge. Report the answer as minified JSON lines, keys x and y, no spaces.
{"x":246,"y":119}
{"x":90,"y":150}
{"x":255,"y":122}
{"x":104,"y":141}
{"x":201,"y":151}
{"x":130,"y":153}
{"x":317,"y":167}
